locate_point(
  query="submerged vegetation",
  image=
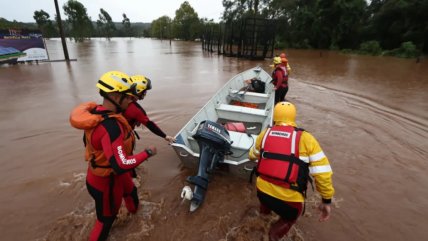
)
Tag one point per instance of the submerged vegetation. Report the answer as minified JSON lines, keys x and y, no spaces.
{"x":406,"y":50}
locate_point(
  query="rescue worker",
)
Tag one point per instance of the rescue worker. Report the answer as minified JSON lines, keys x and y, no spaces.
{"x":279,"y":79}
{"x":284,"y":60}
{"x":286,"y":156}
{"x":109,"y":142}
{"x":136,"y":115}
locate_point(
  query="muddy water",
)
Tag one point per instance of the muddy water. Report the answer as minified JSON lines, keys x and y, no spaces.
{"x":369,"y":114}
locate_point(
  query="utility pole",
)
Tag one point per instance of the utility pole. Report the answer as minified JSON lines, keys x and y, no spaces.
{"x":61,"y":31}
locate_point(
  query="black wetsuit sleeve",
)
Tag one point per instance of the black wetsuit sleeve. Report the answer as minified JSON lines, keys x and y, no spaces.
{"x":140,"y":115}
{"x":155,"y":129}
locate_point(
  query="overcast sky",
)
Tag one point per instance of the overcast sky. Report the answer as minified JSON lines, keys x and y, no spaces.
{"x":135,"y":10}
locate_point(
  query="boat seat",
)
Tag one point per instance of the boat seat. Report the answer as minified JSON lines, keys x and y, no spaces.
{"x":251,"y":97}
{"x":241,"y":109}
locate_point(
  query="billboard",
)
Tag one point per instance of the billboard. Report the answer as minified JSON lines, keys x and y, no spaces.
{"x":29,"y":42}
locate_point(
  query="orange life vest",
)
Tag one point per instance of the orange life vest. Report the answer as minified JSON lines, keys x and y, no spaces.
{"x":279,"y":161}
{"x":87,"y":118}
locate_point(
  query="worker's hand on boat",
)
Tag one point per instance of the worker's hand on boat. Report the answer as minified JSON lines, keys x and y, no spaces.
{"x":170,"y":139}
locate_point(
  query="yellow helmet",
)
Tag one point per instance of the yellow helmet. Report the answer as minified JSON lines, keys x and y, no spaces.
{"x":284,"y":112}
{"x":277,"y":60}
{"x":141,"y":84}
{"x":115,"y":81}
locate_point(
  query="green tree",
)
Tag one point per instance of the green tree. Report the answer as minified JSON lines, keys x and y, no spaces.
{"x":317,"y":23}
{"x":45,"y":24}
{"x":237,"y":9}
{"x":337,"y":23}
{"x":398,"y":21}
{"x":232,"y":10}
{"x":41,"y":17}
{"x":340,"y":24}
{"x":126,"y":26}
{"x":279,"y":9}
{"x":105,"y":24}
{"x":161,"y":27}
{"x":78,"y":19}
{"x":186,"y":24}
{"x":300,"y":32}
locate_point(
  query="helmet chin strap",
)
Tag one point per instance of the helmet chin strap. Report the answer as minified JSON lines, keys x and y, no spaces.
{"x":118,"y":108}
{"x":142,"y":95}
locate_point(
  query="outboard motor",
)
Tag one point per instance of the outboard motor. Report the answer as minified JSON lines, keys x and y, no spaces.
{"x":214,"y":142}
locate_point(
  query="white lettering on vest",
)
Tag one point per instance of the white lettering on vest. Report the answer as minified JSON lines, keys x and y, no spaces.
{"x":281,"y":134}
{"x":123,"y":158}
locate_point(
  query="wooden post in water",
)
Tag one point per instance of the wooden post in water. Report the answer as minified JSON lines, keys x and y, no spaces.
{"x":61,"y":31}
{"x":244,"y":38}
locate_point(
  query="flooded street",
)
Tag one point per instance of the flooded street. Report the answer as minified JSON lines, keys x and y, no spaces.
{"x":370,"y":115}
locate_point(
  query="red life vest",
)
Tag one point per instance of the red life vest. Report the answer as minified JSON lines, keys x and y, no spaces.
{"x":86,"y":117}
{"x":279,"y":161}
{"x":283,"y":70}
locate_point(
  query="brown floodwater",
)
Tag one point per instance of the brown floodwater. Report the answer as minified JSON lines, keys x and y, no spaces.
{"x":370,"y":115}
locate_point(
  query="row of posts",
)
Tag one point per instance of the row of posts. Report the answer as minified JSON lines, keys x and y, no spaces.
{"x":251,"y":38}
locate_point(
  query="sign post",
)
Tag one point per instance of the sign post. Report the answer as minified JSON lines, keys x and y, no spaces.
{"x":61,"y":32}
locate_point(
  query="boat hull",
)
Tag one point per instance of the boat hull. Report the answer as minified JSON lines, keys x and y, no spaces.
{"x":231,"y":104}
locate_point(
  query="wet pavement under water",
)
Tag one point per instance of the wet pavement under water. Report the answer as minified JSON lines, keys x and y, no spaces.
{"x":368,"y":113}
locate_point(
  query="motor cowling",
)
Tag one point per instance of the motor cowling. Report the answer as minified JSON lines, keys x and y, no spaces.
{"x":214,"y":134}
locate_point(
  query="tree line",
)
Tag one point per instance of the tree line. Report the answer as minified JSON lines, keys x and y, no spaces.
{"x":391,"y":27}
{"x":78,"y":25}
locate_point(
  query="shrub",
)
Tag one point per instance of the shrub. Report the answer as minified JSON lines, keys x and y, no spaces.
{"x":406,"y":50}
{"x":371,"y":47}
{"x":391,"y":52}
{"x":347,"y":51}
